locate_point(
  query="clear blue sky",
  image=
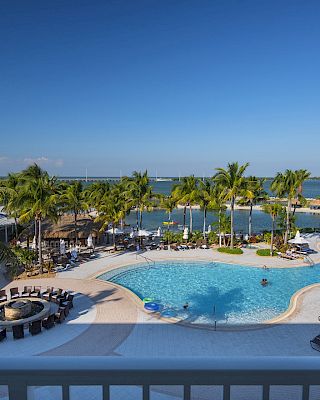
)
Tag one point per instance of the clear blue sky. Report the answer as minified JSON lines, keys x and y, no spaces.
{"x":173,"y":86}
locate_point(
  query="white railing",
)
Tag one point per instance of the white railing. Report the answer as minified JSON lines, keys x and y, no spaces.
{"x":20,"y":373}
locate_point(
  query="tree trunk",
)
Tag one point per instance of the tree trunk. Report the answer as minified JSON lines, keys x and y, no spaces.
{"x":40,"y":247}
{"x":219,"y":227}
{"x":184,"y":216}
{"x":137,"y":217}
{"x":286,"y":236}
{"x":204,"y":222}
{"x":75,"y":226}
{"x":16,"y":228}
{"x":231,"y":225}
{"x":190,"y":213}
{"x":250,"y":220}
{"x":36,"y":233}
{"x":271,"y":242}
{"x":140,"y":223}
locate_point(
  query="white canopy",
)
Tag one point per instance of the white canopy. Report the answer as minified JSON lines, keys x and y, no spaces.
{"x":299,"y":240}
{"x":186,"y":233}
{"x":116,"y":231}
{"x":34,"y":243}
{"x":209,"y":228}
{"x":159,"y":233}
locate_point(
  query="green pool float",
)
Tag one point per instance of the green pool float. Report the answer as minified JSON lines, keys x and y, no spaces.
{"x":147,"y":300}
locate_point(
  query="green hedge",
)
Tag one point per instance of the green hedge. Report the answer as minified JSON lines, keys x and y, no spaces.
{"x":229,"y":250}
{"x":265,"y":252}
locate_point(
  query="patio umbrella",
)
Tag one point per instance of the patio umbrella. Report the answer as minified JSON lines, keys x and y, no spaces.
{"x":159,"y":233}
{"x":299,"y":240}
{"x":185,"y":234}
{"x":90,"y":241}
{"x":34,"y":243}
{"x":209,"y":228}
{"x":62,"y":247}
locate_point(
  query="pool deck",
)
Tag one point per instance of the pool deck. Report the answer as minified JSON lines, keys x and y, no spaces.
{"x":106,"y":319}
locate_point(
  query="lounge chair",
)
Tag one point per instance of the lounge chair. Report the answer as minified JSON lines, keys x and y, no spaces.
{"x":48,"y":293}
{"x":69,"y":299}
{"x":59,"y":316}
{"x":57,"y":296}
{"x":18,"y":332}
{"x":26,"y":291}
{"x":3,"y":334}
{"x":14,"y":293}
{"x":64,"y":306}
{"x":3,"y":295}
{"x":35,"y":327}
{"x":315,"y":343}
{"x":36,"y":292}
{"x":48,"y":322}
{"x":285,"y":256}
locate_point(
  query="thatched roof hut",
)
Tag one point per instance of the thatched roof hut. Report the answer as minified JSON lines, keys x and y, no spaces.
{"x":64,"y":228}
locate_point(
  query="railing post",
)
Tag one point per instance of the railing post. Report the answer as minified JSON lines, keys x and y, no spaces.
{"x":18,"y":391}
{"x":146,"y":392}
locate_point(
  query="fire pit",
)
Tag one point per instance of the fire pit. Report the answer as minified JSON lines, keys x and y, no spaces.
{"x":17,"y":309}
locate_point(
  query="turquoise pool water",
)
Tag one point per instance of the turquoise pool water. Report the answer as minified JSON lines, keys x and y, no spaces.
{"x":228,"y":294}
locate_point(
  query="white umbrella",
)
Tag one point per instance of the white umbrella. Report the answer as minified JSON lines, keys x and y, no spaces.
{"x":34,"y":243}
{"x":298,"y":239}
{"x":159,"y":233}
{"x":209,"y":228}
{"x":62,"y":247}
{"x":90,"y":241}
{"x":144,"y":233}
{"x":185,"y":234}
{"x":116,"y":231}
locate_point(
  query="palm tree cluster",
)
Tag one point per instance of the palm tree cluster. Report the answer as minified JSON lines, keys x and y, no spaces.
{"x":31,"y":196}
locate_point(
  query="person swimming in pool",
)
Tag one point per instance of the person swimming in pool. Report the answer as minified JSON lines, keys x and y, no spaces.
{"x":186,"y":305}
{"x":264,"y":281}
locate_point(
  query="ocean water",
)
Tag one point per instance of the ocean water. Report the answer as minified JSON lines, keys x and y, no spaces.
{"x":228,"y":294}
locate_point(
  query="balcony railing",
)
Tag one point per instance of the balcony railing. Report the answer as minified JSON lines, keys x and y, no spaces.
{"x":20,"y":373}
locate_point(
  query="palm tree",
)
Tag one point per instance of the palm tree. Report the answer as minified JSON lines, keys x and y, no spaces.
{"x":206,"y":200}
{"x":39,"y":199}
{"x":168,"y":203}
{"x":253,"y":193}
{"x":10,"y":198}
{"x":112,"y":209}
{"x":288,"y":184}
{"x":273,"y":210}
{"x":232,"y":181}
{"x":73,"y":199}
{"x":139,"y":194}
{"x":301,"y":176}
{"x":186,"y":193}
{"x":95,"y":193}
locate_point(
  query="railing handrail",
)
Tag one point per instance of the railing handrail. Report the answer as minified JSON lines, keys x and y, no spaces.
{"x":146,"y":258}
{"x":21,"y":372}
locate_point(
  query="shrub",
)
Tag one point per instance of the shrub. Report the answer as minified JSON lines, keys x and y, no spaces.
{"x":265,"y":252}
{"x":228,"y":250}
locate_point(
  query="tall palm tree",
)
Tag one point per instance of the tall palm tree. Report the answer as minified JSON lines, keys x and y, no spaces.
{"x":73,"y":199}
{"x":301,"y":175}
{"x":186,"y":194}
{"x":206,"y":200}
{"x":39,"y":199}
{"x":10,"y":197}
{"x":253,"y":193}
{"x":168,"y":203}
{"x":232,"y":180}
{"x":273,"y":210}
{"x":112,"y":210}
{"x":287,"y":184}
{"x":96,"y":192}
{"x":139,"y":194}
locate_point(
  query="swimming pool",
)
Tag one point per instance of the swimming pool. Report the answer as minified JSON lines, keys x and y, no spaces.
{"x":228,"y":294}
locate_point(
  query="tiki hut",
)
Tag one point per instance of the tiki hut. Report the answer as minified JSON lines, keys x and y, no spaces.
{"x":64,"y":229}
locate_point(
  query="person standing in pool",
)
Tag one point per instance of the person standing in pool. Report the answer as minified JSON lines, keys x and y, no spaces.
{"x":186,"y":305}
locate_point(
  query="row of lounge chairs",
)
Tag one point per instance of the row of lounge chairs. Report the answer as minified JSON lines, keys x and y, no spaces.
{"x":62,"y":298}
